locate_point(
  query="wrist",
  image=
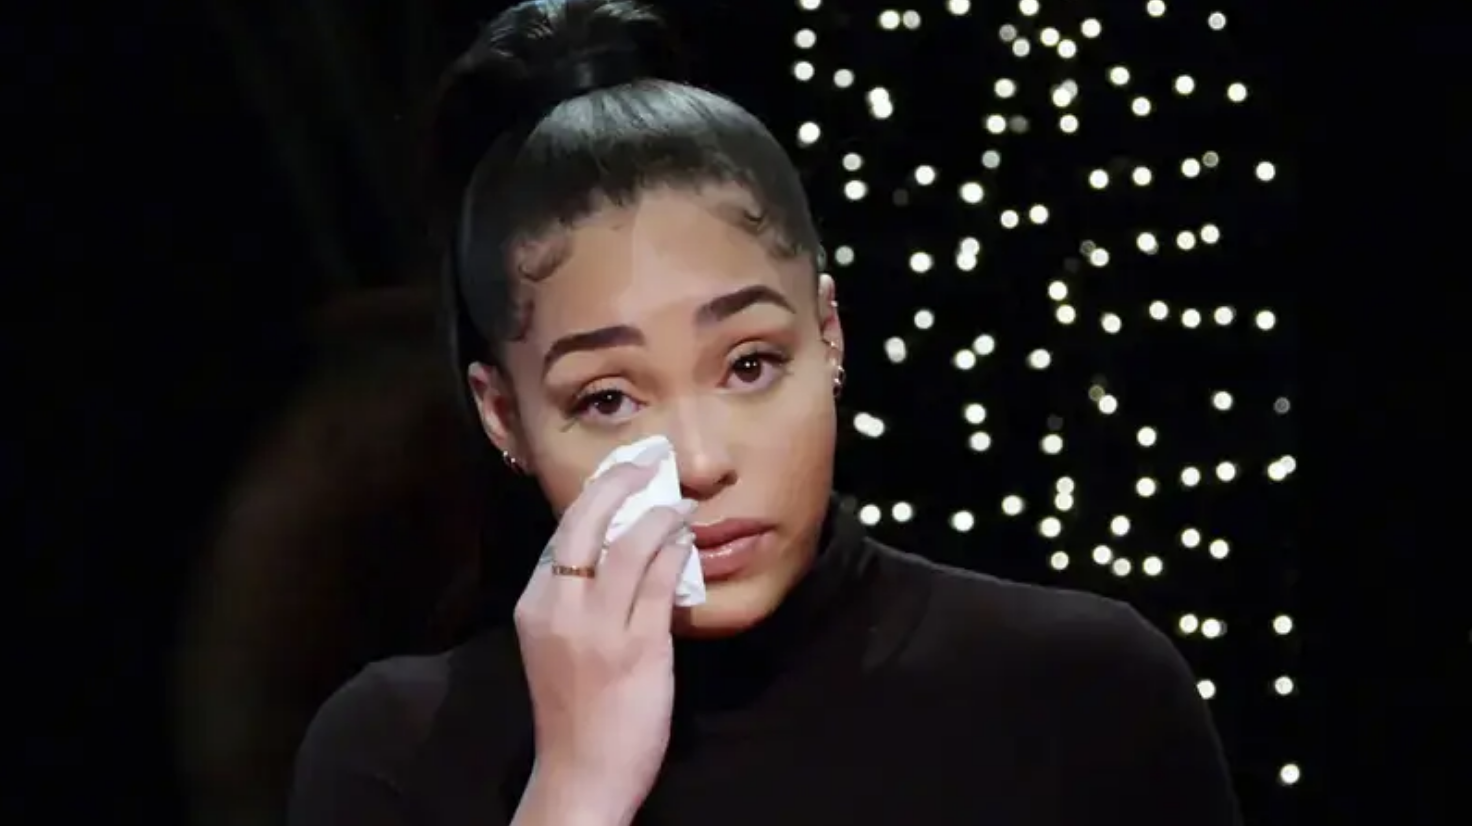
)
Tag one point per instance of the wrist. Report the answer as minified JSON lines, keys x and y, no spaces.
{"x":557,"y":799}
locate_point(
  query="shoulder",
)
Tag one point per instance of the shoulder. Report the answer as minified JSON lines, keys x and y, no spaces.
{"x":1072,"y":667}
{"x":371,"y":738}
{"x":1053,"y":627}
{"x":378,"y":716}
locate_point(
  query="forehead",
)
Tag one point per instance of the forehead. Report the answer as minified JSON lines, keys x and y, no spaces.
{"x":671,"y":249}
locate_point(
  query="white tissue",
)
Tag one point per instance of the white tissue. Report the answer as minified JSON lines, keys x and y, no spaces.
{"x":662,"y":491}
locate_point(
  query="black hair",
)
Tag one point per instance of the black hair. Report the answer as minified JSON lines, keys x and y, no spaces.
{"x":561,"y":107}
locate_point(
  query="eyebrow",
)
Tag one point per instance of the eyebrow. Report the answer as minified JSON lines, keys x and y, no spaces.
{"x":712,"y":312}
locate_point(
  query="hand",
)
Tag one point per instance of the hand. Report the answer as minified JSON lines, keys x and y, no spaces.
{"x":598,"y":653}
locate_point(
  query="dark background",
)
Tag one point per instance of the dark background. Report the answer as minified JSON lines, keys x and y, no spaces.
{"x":217,"y":295}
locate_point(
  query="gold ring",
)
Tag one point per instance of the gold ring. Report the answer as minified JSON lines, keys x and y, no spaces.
{"x":580,"y":571}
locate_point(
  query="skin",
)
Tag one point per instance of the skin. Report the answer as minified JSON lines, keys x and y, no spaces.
{"x":745,"y":397}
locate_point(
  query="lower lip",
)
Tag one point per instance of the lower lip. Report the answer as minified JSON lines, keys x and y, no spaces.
{"x":724,"y":561}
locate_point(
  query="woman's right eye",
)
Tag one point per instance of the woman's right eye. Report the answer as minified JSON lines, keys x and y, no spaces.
{"x":603,"y":404}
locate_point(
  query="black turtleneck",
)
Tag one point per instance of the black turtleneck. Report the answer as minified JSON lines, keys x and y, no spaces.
{"x":885,"y":690}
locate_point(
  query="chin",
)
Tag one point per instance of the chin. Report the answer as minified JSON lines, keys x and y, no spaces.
{"x":730,"y":608}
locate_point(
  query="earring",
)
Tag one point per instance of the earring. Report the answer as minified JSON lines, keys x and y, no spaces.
{"x":511,"y":462}
{"x":839,"y":375}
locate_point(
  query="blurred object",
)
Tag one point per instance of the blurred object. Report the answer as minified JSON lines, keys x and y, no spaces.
{"x":350,"y":535}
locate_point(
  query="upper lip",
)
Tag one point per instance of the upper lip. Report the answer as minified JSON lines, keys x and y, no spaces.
{"x":716,"y":534}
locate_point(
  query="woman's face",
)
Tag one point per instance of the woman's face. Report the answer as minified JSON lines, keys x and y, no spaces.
{"x":669,"y":317}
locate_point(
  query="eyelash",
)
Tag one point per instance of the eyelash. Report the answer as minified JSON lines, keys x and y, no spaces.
{"x":585,"y":402}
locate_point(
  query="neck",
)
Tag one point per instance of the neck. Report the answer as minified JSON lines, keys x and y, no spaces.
{"x":717,"y":675}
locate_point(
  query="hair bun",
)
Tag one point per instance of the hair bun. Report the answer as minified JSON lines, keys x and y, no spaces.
{"x":559,"y":49}
{"x":532,"y":57}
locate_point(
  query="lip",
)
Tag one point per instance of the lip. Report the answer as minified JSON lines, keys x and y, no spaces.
{"x":728,"y":546}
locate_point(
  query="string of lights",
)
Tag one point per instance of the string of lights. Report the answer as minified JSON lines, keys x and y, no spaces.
{"x":1076,"y":228}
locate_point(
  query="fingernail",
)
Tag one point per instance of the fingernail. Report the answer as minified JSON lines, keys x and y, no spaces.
{"x":652,"y":455}
{"x":684,"y":507}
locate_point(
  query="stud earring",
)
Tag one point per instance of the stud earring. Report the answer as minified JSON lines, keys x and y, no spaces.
{"x":511,"y":462}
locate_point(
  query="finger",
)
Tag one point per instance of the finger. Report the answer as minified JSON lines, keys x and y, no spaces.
{"x":627,"y":560}
{"x":579,"y":539}
{"x":654,"y":602}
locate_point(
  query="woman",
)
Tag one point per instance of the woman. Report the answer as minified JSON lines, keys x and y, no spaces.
{"x":632,"y":257}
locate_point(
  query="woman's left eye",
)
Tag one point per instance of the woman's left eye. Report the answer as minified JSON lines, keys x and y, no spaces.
{"x":757,"y":369}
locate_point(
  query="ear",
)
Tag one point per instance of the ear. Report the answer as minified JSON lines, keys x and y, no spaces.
{"x":829,"y":324}
{"x":496,"y":404}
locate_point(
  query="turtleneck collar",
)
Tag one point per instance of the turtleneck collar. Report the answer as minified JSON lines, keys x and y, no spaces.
{"x":781,"y":659}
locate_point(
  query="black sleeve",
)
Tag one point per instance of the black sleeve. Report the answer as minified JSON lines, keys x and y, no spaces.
{"x":345,"y":767}
{"x":1154,"y":736}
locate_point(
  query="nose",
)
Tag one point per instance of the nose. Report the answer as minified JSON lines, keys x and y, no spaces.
{"x":702,"y":451}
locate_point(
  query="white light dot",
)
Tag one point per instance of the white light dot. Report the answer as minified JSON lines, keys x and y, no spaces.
{"x":870,"y":514}
{"x":1098,"y":179}
{"x":869,"y":425}
{"x":925,"y":175}
{"x":1226,"y":471}
{"x":1039,"y":359}
{"x":972,"y":193}
{"x":1119,"y":75}
{"x":809,"y":133}
{"x":979,"y":441}
{"x":1265,"y":320}
{"x":1266,"y":171}
{"x":964,"y":360}
{"x":1038,"y":214}
{"x":1057,"y":290}
{"x":1206,"y":688}
{"x":1190,"y":167}
{"x":1185,"y":85}
{"x":1155,"y":8}
{"x":1283,"y":686}
{"x":1283,"y":625}
{"x":1237,"y":92}
{"x":1145,"y":487}
{"x":1190,"y":318}
{"x":963,"y":521}
{"x":974,"y":413}
{"x":1012,"y":505}
{"x":1218,"y":549}
{"x":902,"y":512}
{"x":1190,"y":537}
{"x":1052,"y":444}
{"x":895,"y":349}
{"x":1028,"y":7}
{"x":1216,"y":20}
{"x":1142,"y":176}
{"x":1159,"y":311}
{"x":843,"y":78}
{"x":1140,"y":106}
{"x":1146,"y":436}
{"x":1111,"y":323}
{"x":1050,"y":527}
{"x":1091,"y":28}
{"x":921,"y":262}
{"x":1119,"y":525}
{"x":803,"y":70}
{"x":924,"y":319}
{"x":1004,"y":88}
{"x":855,"y":190}
{"x":1190,"y":477}
{"x":1289,"y":774}
{"x":1221,"y":400}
